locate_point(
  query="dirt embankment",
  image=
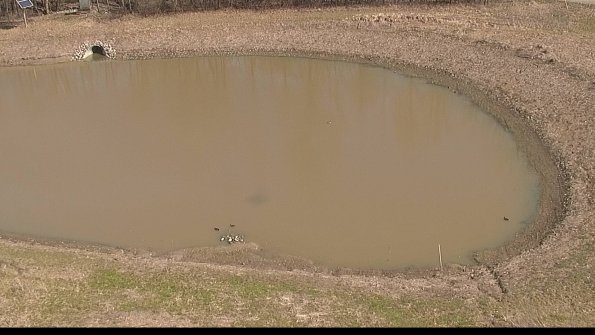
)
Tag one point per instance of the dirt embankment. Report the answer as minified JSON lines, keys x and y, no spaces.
{"x":531,"y":64}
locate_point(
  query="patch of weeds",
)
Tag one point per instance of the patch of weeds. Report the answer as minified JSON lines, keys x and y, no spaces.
{"x":417,"y":312}
{"x":63,"y":304}
{"x":561,"y":295}
{"x":259,"y":300}
{"x":45,"y":257}
{"x":578,"y":268}
{"x":111,"y":279}
{"x":256,"y":289}
{"x":588,"y":25}
{"x":152,"y":291}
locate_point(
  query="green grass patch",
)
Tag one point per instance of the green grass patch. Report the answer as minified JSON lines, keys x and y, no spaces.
{"x":417,"y":312}
{"x":153,"y":291}
{"x":249,"y":288}
{"x":111,"y":279}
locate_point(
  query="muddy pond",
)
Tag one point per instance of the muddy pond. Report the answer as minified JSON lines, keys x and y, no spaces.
{"x":344,"y":164}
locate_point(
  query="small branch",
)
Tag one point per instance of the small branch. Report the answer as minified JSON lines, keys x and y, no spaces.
{"x":440,"y":255}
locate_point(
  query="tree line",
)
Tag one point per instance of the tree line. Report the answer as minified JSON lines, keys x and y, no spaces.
{"x":10,"y":8}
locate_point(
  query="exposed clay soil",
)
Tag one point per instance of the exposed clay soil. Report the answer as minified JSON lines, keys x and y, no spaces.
{"x":530,"y":64}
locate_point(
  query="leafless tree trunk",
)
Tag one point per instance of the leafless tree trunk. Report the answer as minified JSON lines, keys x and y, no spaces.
{"x":46,"y":6}
{"x":6,"y":10}
{"x":58,"y":3}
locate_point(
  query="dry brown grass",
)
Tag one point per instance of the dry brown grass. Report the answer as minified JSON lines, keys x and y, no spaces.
{"x":530,"y":63}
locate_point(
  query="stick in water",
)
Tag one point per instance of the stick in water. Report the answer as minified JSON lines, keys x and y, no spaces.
{"x":440,"y":254}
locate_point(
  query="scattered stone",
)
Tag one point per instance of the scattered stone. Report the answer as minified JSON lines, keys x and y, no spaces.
{"x":80,"y":52}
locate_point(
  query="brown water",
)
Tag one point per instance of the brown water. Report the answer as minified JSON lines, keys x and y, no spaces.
{"x":344,"y":164}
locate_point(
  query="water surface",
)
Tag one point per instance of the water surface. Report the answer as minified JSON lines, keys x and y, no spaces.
{"x":340,"y":163}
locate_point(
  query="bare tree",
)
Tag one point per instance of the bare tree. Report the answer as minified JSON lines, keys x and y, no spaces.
{"x":57,"y":4}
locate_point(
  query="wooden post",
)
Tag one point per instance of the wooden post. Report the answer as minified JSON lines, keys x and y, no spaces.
{"x":25,"y":16}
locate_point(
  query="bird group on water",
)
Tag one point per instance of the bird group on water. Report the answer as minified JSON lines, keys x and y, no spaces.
{"x":230,"y":238}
